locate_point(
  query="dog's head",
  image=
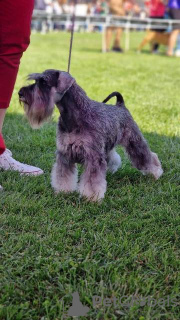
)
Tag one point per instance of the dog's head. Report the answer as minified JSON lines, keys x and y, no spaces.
{"x":40,"y":97}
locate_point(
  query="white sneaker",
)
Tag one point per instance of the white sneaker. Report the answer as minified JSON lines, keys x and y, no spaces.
{"x":9,"y":152}
{"x":8,"y":163}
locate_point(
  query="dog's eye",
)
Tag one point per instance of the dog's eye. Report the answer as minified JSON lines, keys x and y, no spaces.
{"x":42,"y":82}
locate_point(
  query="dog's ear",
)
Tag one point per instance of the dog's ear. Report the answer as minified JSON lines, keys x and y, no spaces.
{"x":65,"y":81}
{"x":51,"y":77}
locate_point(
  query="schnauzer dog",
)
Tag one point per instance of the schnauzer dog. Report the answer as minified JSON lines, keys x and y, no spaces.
{"x":87,"y":133}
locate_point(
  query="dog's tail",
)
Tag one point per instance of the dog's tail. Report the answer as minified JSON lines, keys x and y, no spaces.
{"x":120,"y":100}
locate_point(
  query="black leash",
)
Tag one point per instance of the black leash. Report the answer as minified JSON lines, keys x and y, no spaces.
{"x":72,"y":34}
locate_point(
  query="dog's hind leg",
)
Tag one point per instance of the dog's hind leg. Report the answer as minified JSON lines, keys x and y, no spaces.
{"x":64,"y":175}
{"x":114,"y":161}
{"x":92,"y":183}
{"x":148,"y":38}
{"x":139,"y":153}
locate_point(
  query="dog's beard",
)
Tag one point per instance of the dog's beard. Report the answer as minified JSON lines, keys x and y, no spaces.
{"x":41,"y":107}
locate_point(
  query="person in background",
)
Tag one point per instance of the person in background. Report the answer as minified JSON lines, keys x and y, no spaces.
{"x":101,"y":7}
{"x":132,"y":8}
{"x":116,"y":7}
{"x":39,"y":4}
{"x":37,"y":25}
{"x":177,"y":52}
{"x":15,"y":23}
{"x":49,"y":6}
{"x":174,"y":13}
{"x":61,"y":4}
{"x":156,"y":10}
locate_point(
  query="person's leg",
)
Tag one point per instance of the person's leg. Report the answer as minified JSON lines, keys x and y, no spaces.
{"x":12,"y":44}
{"x":118,"y":34}
{"x":2,"y":116}
{"x":174,"y":14}
{"x":108,"y":37}
{"x":172,"y":42}
{"x":2,"y":144}
{"x":15,"y":25}
{"x":177,"y":53}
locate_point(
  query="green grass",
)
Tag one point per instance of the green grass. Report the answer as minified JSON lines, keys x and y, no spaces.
{"x":51,"y":246}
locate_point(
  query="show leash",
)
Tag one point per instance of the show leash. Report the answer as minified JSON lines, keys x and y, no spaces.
{"x":72,"y":34}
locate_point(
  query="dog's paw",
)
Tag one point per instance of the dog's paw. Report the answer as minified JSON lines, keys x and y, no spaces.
{"x":92,"y":194}
{"x":114,"y":162}
{"x":155,"y":168}
{"x":64,"y":188}
{"x":66,"y":183}
{"x":114,"y":167}
{"x":92,"y":197}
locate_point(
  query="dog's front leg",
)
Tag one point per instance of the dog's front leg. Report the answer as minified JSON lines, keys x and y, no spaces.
{"x":64,"y":174}
{"x":93,"y":183}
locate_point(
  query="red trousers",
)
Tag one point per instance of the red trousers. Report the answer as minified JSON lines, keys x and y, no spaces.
{"x":15,"y":25}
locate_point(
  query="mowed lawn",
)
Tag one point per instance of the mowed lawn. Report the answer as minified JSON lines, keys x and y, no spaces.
{"x":52,"y":246}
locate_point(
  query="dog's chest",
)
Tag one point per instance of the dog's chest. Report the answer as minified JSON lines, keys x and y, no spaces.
{"x":75,"y":146}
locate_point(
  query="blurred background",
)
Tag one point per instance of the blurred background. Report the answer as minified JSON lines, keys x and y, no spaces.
{"x":158,"y":17}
